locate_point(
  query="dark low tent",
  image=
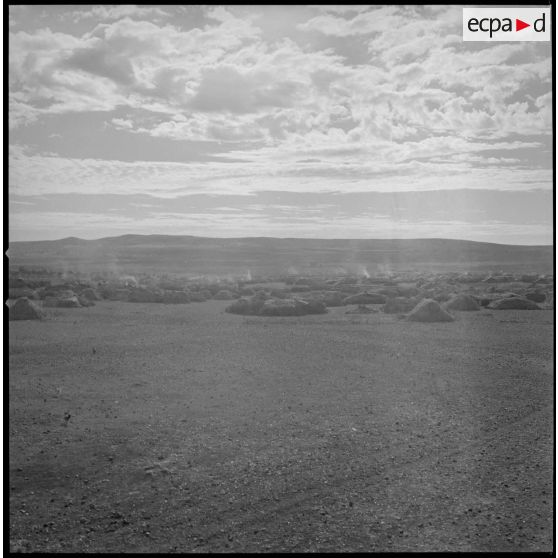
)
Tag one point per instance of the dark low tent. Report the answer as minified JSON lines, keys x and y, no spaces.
{"x":175,"y":297}
{"x":61,"y":302}
{"x":332,"y":298}
{"x":259,"y":306}
{"x":68,"y":302}
{"x":514,"y":303}
{"x":360,"y":309}
{"x":85,"y":302}
{"x":89,"y":294}
{"x":365,"y":298}
{"x":291,"y":307}
{"x":535,"y":296}
{"x":247,"y":291}
{"x":246,"y":307}
{"x":141,"y":294}
{"x":113,"y":293}
{"x":197,"y":296}
{"x":223,"y":294}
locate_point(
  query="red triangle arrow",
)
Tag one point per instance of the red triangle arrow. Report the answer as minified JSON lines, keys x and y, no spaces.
{"x":519,"y":25}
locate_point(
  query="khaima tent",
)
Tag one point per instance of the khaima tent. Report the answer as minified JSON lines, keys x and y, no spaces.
{"x":176,"y":297}
{"x":224,"y":294}
{"x":25,"y":309}
{"x":360,"y":309}
{"x":365,"y":298}
{"x":462,"y":302}
{"x":62,"y":302}
{"x":429,"y":310}
{"x":291,"y":307}
{"x":85,"y":302}
{"x":514,"y":303}
{"x":89,"y":294}
{"x":259,"y":306}
{"x":535,"y":296}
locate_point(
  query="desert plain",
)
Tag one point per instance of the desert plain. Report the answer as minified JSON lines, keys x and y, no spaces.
{"x":184,"y":428}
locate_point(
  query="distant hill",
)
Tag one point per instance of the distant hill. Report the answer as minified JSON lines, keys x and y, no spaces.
{"x":265,"y":256}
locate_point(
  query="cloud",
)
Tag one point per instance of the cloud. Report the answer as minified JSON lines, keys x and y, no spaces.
{"x":224,"y":88}
{"x":466,"y":205}
{"x":427,"y":165}
{"x":237,"y":99}
{"x":100,"y":61}
{"x":139,"y":63}
{"x":105,"y":13}
{"x":122,"y":123}
{"x":219,"y":13}
{"x":365,"y":22}
{"x":228,"y":67}
{"x":20,"y":113}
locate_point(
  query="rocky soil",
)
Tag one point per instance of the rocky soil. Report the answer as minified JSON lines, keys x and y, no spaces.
{"x":182,"y":428}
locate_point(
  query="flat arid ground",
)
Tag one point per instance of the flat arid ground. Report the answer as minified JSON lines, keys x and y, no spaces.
{"x":152,"y":427}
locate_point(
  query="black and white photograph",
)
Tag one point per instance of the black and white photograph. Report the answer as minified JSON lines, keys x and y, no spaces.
{"x":279,"y":278}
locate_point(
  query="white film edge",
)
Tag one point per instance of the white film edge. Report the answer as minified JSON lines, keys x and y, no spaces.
{"x":506,"y":24}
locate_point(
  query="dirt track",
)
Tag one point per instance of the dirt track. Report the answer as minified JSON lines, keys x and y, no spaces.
{"x":196,"y":430}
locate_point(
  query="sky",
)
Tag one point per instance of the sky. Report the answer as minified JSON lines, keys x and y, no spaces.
{"x":286,"y":121}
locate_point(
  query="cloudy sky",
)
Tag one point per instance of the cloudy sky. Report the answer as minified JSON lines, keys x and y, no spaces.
{"x":347,"y":122}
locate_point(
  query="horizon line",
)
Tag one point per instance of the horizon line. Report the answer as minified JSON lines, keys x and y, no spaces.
{"x":278,"y":238}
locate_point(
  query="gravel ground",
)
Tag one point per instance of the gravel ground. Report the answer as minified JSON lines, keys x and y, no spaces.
{"x":147,"y":427}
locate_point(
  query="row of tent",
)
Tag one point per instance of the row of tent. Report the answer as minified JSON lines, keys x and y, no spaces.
{"x":423,"y":310}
